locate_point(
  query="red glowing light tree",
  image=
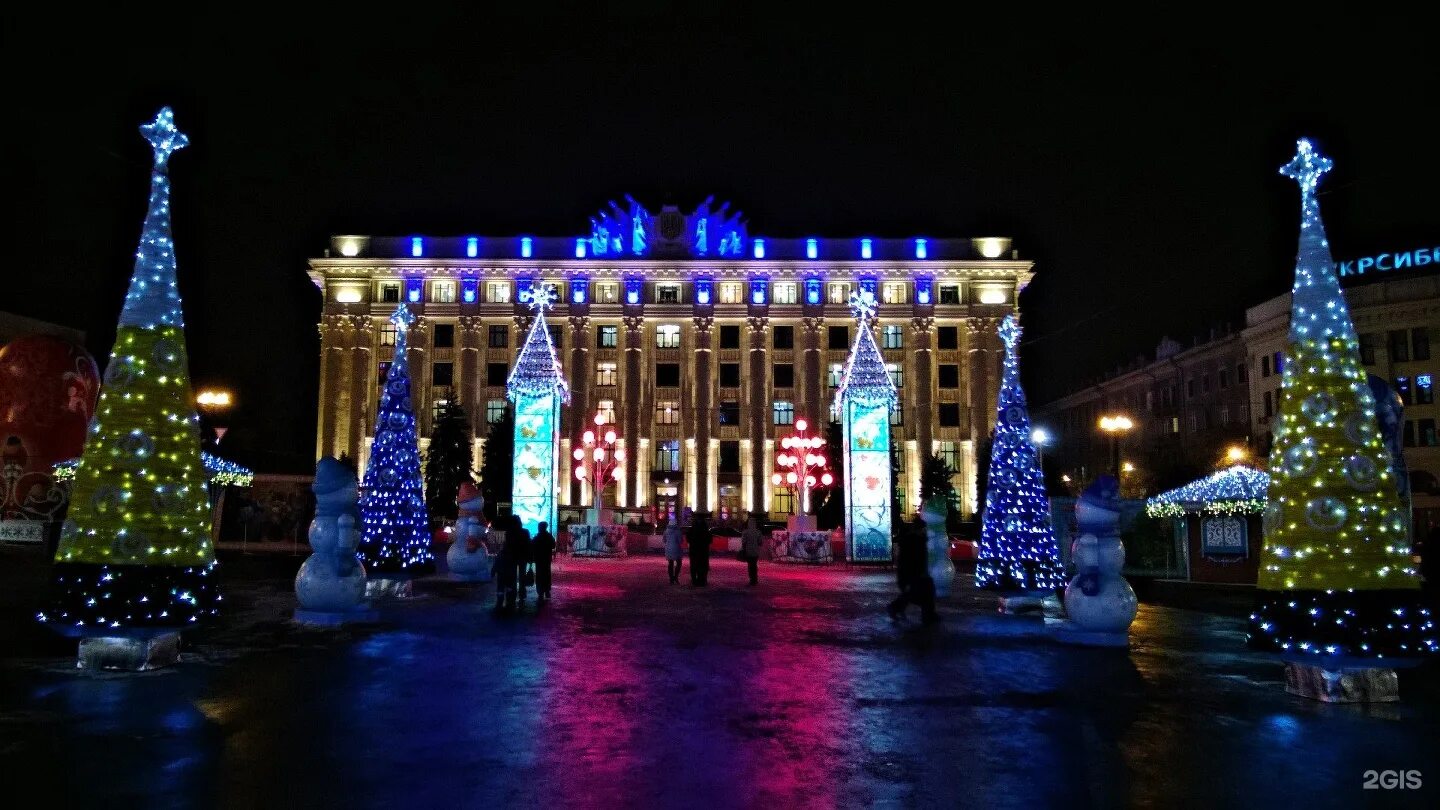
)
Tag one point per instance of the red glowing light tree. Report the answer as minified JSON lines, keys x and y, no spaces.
{"x":802,"y":464}
{"x":599,"y":461}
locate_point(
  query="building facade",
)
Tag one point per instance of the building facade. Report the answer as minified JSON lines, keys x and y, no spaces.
{"x":701,"y":343}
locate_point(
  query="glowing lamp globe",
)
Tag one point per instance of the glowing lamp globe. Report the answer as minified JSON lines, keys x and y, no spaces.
{"x":619,"y":454}
{"x":599,"y":420}
{"x":775,"y":479}
{"x":599,"y":454}
{"x":580,"y":473}
{"x":810,"y":479}
{"x":589,"y":437}
{"x":827,"y":479}
{"x":609,"y":437}
{"x":579,"y":454}
{"x":817,"y":442}
{"x":801,"y":424}
{"x":791,"y":478}
{"x":616,"y":475}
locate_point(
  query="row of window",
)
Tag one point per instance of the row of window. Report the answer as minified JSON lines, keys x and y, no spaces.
{"x":728,"y":292}
{"x":1402,"y":345}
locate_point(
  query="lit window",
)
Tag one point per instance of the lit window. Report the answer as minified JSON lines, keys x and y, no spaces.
{"x":667,"y":336}
{"x":836,"y":371}
{"x":606,"y":408}
{"x":782,"y":501}
{"x":732,"y":292}
{"x":893,"y":337}
{"x":387,"y":335}
{"x":605,"y":374}
{"x":784,"y":413}
{"x":893,"y":292}
{"x":667,"y":412}
{"x":442,"y":292}
{"x":499,"y":337}
{"x":667,"y":293}
{"x":494,"y":410}
{"x":895,"y":414}
{"x":992,"y":295}
{"x":609,"y":336}
{"x":437,"y":409}
{"x":950,"y":454}
{"x":784,"y":293}
{"x":607,"y":292}
{"x":839,"y":292}
{"x":897,"y":375}
{"x":349,"y":295}
{"x":667,"y":455}
{"x":497,"y":292}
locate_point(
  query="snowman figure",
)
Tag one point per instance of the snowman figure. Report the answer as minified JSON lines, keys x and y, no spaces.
{"x":331,"y":581}
{"x":468,"y":557}
{"x":1100,"y":603}
{"x":937,"y":544}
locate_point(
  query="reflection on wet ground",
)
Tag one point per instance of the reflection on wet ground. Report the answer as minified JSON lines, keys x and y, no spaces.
{"x":630,"y":692}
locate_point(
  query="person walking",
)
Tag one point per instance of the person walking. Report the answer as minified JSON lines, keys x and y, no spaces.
{"x":506,"y":571}
{"x":544,"y":548}
{"x":700,"y":539}
{"x":912,"y":572}
{"x":750,"y":549}
{"x":674,"y":539}
{"x":524,"y":555}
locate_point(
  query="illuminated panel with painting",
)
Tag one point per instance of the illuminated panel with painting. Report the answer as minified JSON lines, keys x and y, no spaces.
{"x":538,"y":389}
{"x":866,"y":395}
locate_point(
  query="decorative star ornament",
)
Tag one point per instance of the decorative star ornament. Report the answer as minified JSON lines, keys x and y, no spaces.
{"x":402,"y":318}
{"x":1307,"y":166}
{"x":163,"y":137}
{"x":1010,"y":332}
{"x":541,"y":296}
{"x":864,"y":305}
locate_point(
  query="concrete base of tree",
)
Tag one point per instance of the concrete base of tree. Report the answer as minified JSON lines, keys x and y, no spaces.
{"x":136,"y":651}
{"x":1067,"y":632}
{"x":1342,"y":685}
{"x":335,"y":618}
{"x":387,"y":588}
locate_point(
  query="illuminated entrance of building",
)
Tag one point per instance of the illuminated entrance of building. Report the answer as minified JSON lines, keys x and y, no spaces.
{"x":667,"y":501}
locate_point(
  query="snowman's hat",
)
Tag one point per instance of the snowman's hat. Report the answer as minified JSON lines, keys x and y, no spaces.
{"x":468,"y":492}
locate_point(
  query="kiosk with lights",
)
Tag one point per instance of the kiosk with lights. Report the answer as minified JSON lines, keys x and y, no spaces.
{"x":598,"y":462}
{"x":1017,"y":553}
{"x":866,"y":396}
{"x":538,"y":389}
{"x":1339,"y":596}
{"x":802,"y":466}
{"x":395,"y":538}
{"x":135,"y":562}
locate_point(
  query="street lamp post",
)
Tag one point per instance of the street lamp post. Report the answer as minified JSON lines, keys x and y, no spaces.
{"x":802,"y":466}
{"x":1039,"y":437}
{"x":1115,"y":425}
{"x":214,"y":403}
{"x":598,"y":462}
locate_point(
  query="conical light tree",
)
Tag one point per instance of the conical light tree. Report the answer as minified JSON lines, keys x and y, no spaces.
{"x":1017,"y":544}
{"x":865,"y":397}
{"x":1335,"y":575}
{"x":395,"y":540}
{"x":135,"y":551}
{"x":538,"y":389}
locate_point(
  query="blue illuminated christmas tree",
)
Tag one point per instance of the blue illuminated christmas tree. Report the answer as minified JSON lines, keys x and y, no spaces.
{"x":1336,"y":578}
{"x":135,"y":551}
{"x":395,"y":539}
{"x":1017,"y":545}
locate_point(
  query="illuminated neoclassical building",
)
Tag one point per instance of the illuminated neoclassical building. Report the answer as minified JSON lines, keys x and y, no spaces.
{"x":704,"y":342}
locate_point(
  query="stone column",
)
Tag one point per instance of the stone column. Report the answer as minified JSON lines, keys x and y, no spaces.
{"x":816,"y":408}
{"x":922,"y":416}
{"x":417,"y":352}
{"x":579,"y":373}
{"x":759,"y":410}
{"x":362,"y":363}
{"x":630,"y":405}
{"x":977,"y":382}
{"x":334,"y":359}
{"x":704,"y":410}
{"x":471,"y":338}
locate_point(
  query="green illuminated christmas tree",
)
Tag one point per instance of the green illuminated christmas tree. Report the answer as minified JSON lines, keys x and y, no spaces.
{"x":135,"y":551}
{"x":1335,"y":577}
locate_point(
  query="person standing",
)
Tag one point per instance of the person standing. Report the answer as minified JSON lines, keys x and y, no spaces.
{"x":674,"y":539}
{"x":524,"y":554}
{"x":750,"y":549}
{"x":506,"y":572}
{"x":700,"y":539}
{"x":544,"y":547}
{"x":912,"y":572}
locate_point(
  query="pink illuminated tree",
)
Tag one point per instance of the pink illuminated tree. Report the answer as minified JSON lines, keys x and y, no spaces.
{"x":801,"y":464}
{"x":599,"y":461}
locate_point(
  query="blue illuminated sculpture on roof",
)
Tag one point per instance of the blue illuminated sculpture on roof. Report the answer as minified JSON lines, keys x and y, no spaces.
{"x":634,"y":231}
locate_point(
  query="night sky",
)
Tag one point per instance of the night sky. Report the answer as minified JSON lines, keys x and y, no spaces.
{"x":1138,"y":172}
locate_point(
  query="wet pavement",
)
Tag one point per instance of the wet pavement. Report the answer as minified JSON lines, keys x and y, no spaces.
{"x":630,"y":692}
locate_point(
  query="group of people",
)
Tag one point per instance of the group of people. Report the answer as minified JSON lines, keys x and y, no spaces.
{"x":699,"y":538}
{"x":523,"y":561}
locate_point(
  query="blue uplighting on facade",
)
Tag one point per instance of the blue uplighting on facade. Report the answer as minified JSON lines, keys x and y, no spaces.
{"x":922,"y":249}
{"x":703,"y":287}
{"x":867,"y":285}
{"x":414,"y":288}
{"x":812,"y":291}
{"x":579,"y":290}
{"x":469,"y":289}
{"x":758,"y":290}
{"x":865,"y":251}
{"x":632,"y":290}
{"x":527,"y":247}
{"x":580,"y":248}
{"x":923,"y":289}
{"x":759,"y":248}
{"x":472,"y":246}
{"x":417,"y":246}
{"x":812,"y":248}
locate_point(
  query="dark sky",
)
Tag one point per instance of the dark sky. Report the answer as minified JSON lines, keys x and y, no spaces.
{"x":1138,"y":171}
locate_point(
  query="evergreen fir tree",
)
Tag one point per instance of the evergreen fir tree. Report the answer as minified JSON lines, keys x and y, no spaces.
{"x":829,"y":507}
{"x":1017,"y":542}
{"x":497,"y":467}
{"x":1335,"y":574}
{"x":449,"y":461}
{"x":395,"y":539}
{"x":937,"y":479}
{"x":135,"y":550}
